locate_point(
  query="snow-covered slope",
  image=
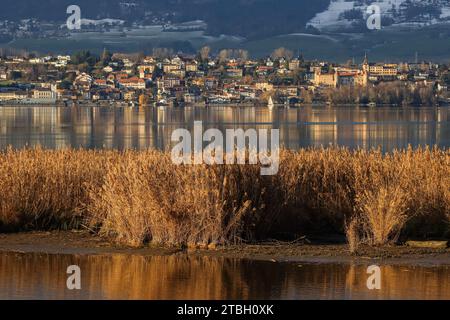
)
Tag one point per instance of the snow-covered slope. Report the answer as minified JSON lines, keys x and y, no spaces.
{"x":342,"y":14}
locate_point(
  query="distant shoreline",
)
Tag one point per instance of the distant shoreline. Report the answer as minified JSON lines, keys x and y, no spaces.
{"x":125,"y":104}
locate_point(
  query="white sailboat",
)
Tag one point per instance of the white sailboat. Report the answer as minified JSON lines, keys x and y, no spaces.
{"x":162,"y":104}
{"x":270,"y":103}
{"x":286,"y":104}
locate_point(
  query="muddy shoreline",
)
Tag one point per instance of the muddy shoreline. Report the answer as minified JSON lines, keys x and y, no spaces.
{"x":84,"y":243}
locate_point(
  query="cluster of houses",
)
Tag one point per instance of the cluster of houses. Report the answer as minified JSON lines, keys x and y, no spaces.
{"x":182,"y":80}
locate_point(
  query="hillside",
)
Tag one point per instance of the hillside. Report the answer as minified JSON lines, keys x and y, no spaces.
{"x":245,"y":18}
{"x":323,"y":29}
{"x":351,"y":15}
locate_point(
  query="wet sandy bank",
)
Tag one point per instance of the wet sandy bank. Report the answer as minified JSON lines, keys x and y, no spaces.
{"x":84,"y":243}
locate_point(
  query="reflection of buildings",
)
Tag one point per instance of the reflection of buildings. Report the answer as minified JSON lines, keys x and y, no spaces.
{"x":32,"y":126}
{"x":366,"y":128}
{"x":142,"y":128}
{"x":322,"y":128}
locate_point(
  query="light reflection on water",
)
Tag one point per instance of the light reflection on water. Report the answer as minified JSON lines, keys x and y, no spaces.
{"x":42,"y":276}
{"x":142,"y":128}
{"x":39,"y":276}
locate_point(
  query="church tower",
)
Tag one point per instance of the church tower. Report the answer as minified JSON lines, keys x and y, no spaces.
{"x":366,"y":64}
{"x":365,"y":71}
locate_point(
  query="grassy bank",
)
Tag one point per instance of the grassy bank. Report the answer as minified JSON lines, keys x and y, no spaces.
{"x":137,"y":197}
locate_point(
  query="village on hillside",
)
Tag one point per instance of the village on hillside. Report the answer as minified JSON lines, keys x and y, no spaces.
{"x":228,"y":77}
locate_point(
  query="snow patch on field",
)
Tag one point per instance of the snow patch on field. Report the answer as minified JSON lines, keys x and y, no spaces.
{"x":102,"y":22}
{"x":332,"y":17}
{"x":445,"y":13}
{"x":332,"y":14}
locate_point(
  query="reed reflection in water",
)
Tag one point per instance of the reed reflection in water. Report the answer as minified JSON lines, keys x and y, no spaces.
{"x":42,"y":276}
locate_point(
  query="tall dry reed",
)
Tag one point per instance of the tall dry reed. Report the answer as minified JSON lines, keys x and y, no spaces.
{"x":146,"y":197}
{"x":136,"y":197}
{"x":42,"y":189}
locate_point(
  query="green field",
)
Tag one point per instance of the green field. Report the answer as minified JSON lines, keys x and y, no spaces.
{"x":381,"y":46}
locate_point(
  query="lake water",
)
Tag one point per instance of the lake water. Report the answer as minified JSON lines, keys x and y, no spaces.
{"x":141,"y":128}
{"x":43,"y":276}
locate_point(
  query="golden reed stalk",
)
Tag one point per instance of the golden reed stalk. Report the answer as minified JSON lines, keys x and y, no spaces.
{"x":136,"y":197}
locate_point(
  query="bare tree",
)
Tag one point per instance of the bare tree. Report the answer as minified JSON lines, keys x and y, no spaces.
{"x":282,"y":53}
{"x":224,"y":55}
{"x":162,"y":53}
{"x":204,"y":53}
{"x":242,"y":54}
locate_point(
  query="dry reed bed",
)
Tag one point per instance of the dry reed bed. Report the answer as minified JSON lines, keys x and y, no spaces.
{"x":135,"y":197}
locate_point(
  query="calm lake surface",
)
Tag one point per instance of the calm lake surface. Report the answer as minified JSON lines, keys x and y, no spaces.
{"x":43,"y":276}
{"x":142,"y":128}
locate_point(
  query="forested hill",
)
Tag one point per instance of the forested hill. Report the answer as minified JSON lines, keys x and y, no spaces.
{"x":246,"y":18}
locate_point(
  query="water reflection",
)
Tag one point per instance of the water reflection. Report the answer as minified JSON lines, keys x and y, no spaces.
{"x":41,"y":276}
{"x":141,"y":128}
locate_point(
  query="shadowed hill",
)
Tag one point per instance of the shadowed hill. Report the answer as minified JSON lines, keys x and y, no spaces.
{"x":247,"y":18}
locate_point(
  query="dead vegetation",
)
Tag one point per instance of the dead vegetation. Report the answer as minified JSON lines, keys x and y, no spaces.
{"x":136,"y":197}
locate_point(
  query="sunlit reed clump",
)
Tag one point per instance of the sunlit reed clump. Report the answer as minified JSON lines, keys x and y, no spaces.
{"x":139,"y":197}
